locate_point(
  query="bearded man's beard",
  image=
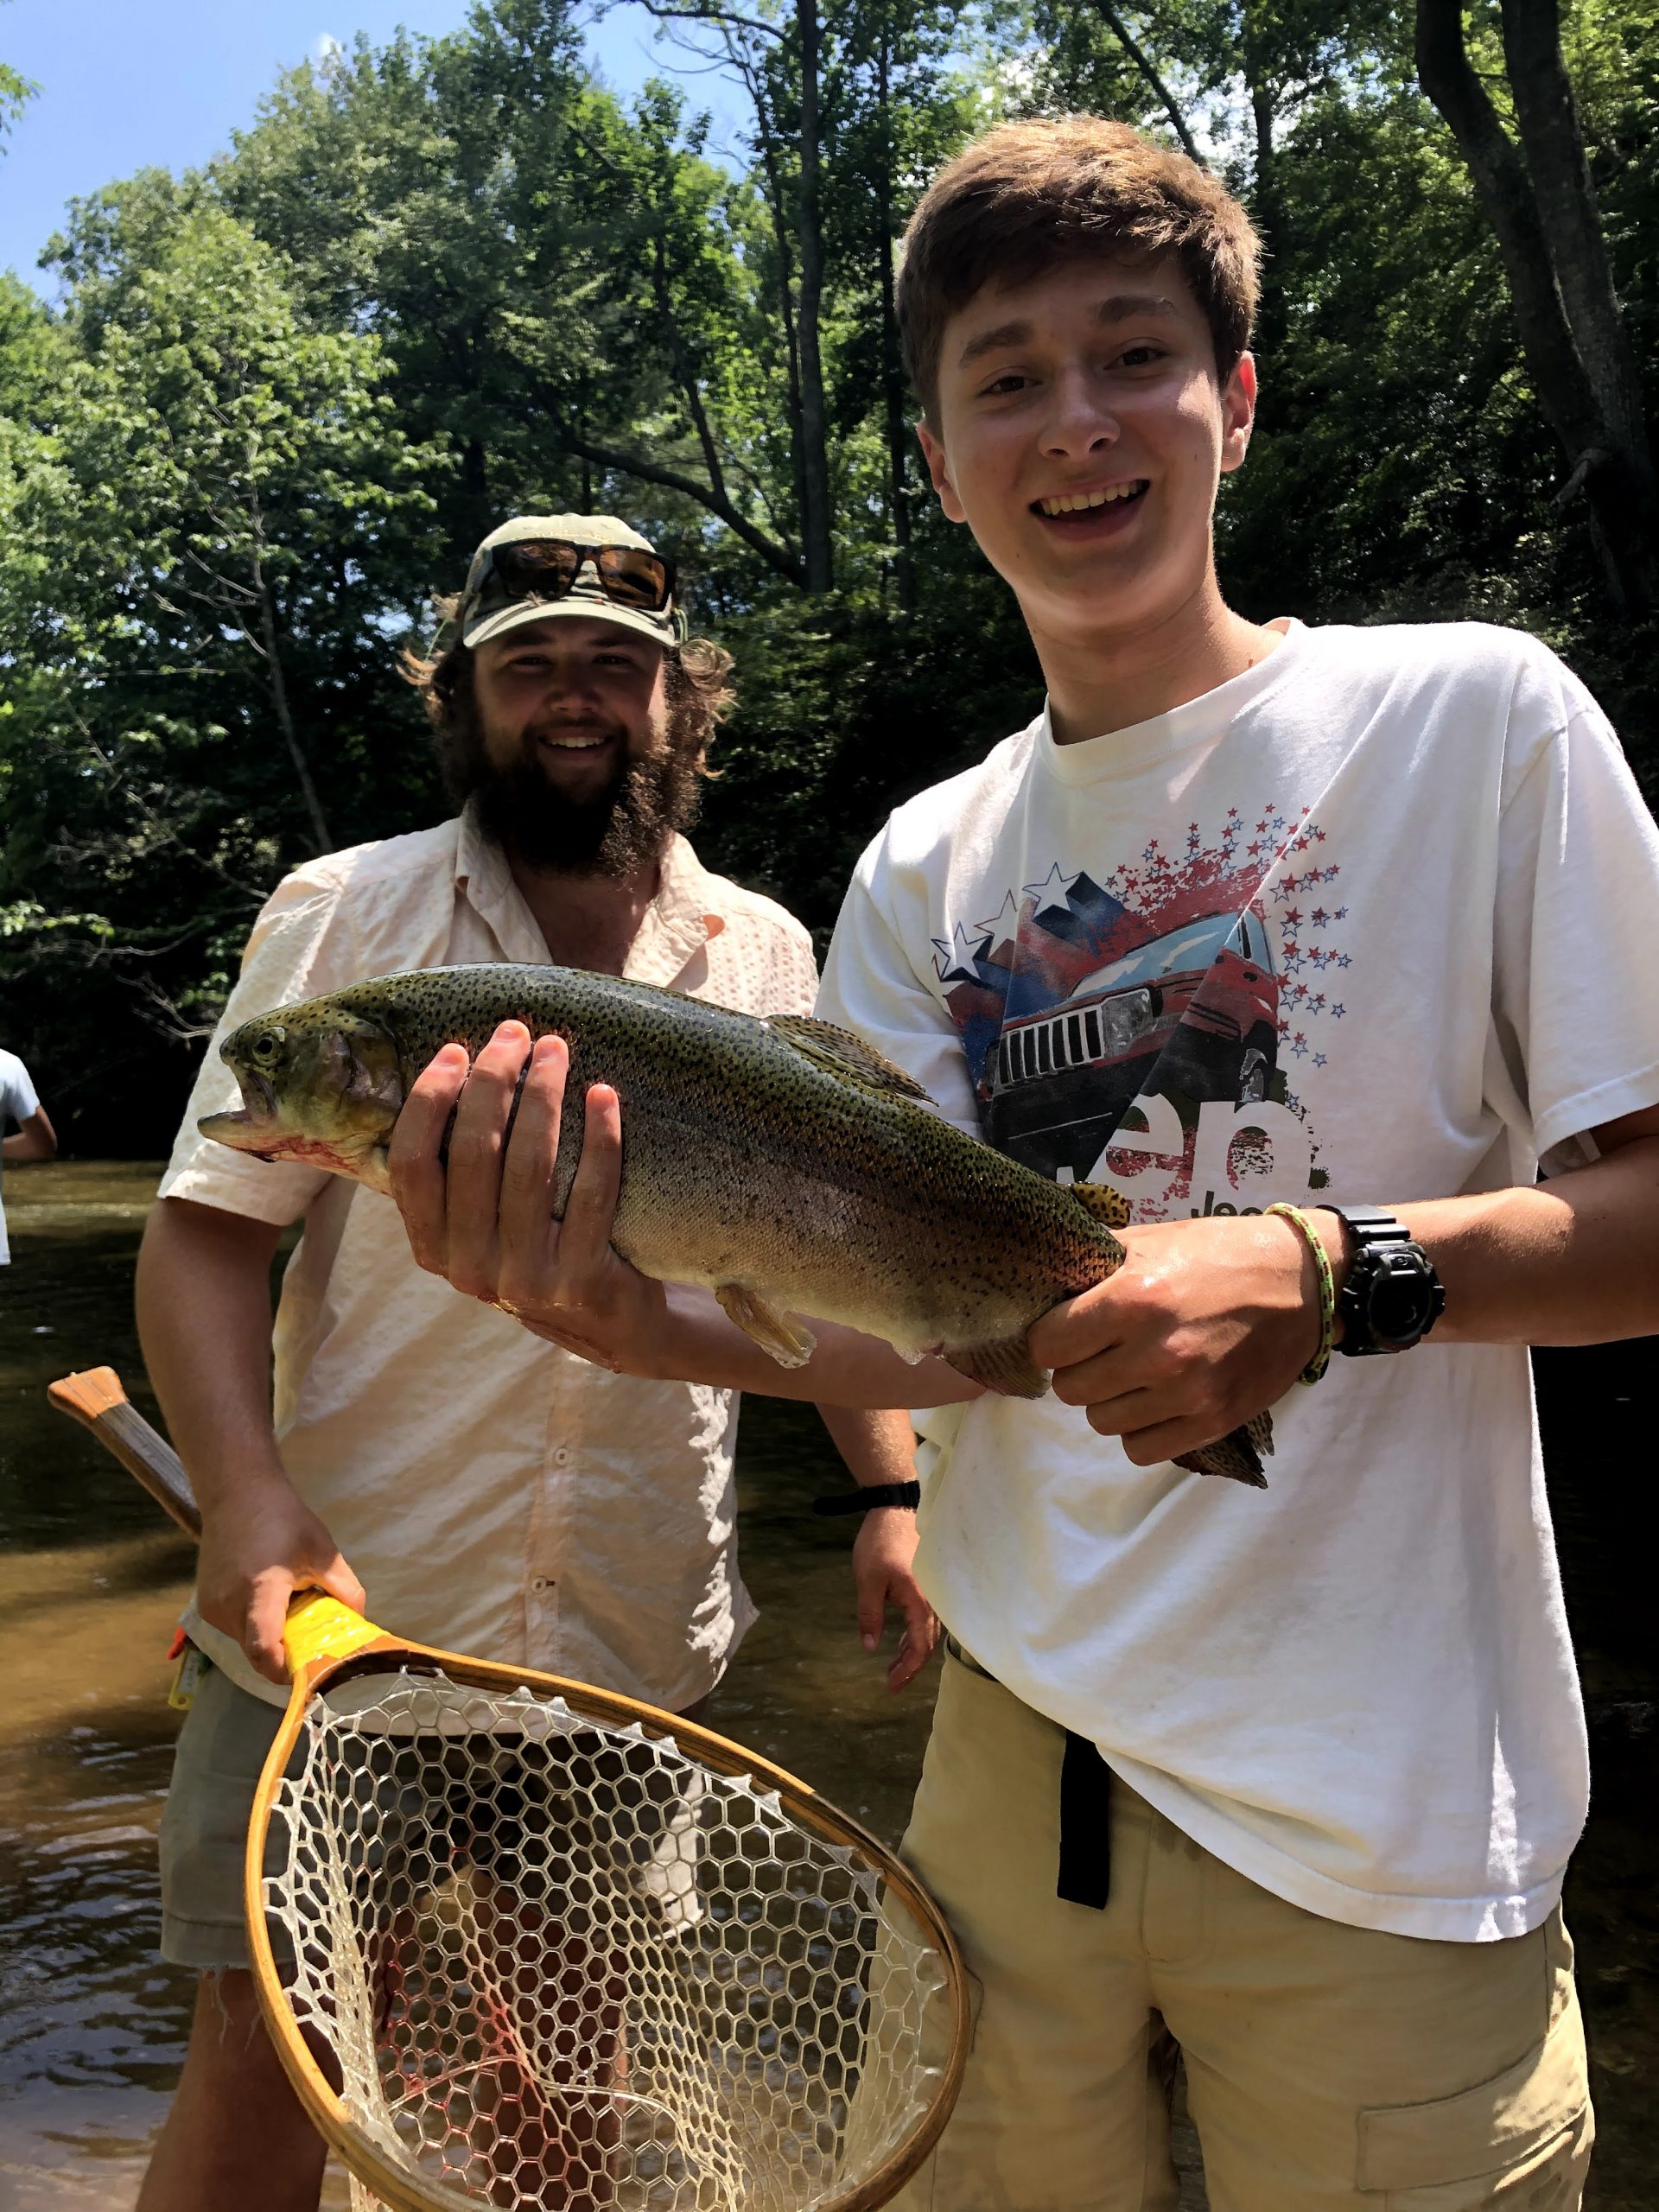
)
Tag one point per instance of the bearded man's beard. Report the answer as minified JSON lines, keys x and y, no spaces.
{"x":612,"y":831}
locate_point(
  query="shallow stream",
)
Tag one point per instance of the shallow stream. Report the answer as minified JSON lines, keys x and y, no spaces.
{"x":92,"y":2024}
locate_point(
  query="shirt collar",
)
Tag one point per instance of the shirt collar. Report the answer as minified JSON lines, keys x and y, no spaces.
{"x":687,"y":912}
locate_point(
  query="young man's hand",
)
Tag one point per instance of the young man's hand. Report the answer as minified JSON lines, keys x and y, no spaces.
{"x":882,"y":1553}
{"x":259,"y":1546}
{"x":485,"y":1220}
{"x":1206,"y":1325}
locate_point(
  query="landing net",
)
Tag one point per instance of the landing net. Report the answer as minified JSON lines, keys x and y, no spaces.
{"x":551,"y":1961}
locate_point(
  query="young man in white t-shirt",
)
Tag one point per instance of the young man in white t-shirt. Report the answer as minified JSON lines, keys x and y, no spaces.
{"x":1250,"y":915}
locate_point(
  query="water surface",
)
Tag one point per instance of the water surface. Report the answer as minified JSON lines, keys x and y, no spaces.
{"x":92,"y":2024}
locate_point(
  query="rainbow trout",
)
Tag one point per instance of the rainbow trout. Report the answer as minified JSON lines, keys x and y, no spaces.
{"x":775,"y":1160}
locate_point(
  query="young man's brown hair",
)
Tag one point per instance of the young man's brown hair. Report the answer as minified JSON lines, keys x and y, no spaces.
{"x":1029,"y":196}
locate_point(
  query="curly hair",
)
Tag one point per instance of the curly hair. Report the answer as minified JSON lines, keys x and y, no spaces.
{"x":697,"y":678}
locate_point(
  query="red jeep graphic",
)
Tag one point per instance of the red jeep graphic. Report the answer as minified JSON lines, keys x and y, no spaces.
{"x":1194,"y":1011}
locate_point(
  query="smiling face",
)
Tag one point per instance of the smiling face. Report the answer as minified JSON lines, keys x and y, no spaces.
{"x":569,"y":745}
{"x":581,"y":696}
{"x":1080,"y":430}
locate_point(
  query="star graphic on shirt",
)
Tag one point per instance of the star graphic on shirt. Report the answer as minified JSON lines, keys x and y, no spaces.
{"x":956,"y":957}
{"x":1293,"y":917}
{"x":1321,"y":1059}
{"x":1298,"y":1046}
{"x":1054,"y":889}
{"x":1338,"y":1010}
{"x":1344,"y":960}
{"x":1003,"y":926}
{"x":1319,"y":918}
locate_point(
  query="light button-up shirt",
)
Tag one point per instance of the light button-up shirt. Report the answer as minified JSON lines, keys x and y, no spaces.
{"x":496,"y":1495}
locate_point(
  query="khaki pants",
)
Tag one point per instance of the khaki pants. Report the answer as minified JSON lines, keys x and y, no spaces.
{"x":1329,"y":2069}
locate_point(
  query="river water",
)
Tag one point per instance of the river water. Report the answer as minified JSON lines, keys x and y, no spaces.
{"x":92,"y":2024}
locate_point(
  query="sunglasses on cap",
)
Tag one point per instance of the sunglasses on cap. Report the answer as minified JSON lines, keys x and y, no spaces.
{"x":547,"y":568}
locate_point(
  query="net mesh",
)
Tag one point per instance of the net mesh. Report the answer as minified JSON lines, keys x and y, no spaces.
{"x":551,"y":1961}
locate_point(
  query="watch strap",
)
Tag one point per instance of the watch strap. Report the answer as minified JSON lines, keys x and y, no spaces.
{"x":906,"y":1495}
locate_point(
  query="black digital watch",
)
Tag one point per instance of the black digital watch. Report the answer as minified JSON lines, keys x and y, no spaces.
{"x":1392,"y":1297}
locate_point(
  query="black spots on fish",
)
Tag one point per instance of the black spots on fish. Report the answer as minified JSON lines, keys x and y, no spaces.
{"x":1102,"y":1203}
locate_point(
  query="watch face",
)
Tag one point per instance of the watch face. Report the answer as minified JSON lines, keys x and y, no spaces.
{"x":1399,"y":1305}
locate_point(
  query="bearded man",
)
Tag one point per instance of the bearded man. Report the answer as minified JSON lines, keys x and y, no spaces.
{"x":496,"y":1495}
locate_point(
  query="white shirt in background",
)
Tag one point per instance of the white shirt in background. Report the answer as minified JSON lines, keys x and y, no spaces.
{"x":17,"y":1103}
{"x":1373,"y":922}
{"x":495,"y":1495}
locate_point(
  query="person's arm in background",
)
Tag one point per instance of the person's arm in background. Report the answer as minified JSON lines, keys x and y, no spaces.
{"x":879,"y":1447}
{"x":204,"y":1322}
{"x":36,"y":1139}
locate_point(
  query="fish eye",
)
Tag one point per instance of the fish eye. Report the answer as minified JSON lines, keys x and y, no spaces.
{"x":266,"y":1047}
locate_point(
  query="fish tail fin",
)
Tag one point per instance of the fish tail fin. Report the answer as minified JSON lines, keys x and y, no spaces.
{"x":1235,"y":1455}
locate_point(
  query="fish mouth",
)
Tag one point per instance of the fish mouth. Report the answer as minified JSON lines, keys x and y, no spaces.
{"x":256,"y":1127}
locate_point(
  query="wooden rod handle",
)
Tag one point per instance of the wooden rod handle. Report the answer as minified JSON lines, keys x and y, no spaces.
{"x":97,"y":1402}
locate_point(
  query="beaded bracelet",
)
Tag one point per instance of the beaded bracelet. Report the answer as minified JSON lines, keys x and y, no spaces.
{"x":1310,"y":1237}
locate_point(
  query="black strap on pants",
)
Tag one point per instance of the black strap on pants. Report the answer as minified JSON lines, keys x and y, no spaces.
{"x":1085,"y":1809}
{"x":1086,"y":1813}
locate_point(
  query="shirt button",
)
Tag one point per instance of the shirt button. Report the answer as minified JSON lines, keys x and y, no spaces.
{"x":561,"y":1457}
{"x":542,"y":1582}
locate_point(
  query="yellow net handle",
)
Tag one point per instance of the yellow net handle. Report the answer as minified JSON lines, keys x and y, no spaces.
{"x":319,"y":1626}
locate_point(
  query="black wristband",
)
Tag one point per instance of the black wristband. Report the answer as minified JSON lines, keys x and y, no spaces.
{"x":908,"y":1494}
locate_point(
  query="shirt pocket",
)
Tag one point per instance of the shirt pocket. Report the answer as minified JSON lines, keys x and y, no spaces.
{"x":1528,"y":2125}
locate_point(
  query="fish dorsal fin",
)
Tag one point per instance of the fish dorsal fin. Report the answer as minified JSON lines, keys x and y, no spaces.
{"x":838,"y":1052}
{"x":1100,"y":1199}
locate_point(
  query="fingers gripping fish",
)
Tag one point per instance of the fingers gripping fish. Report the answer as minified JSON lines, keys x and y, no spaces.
{"x":778,"y":1162}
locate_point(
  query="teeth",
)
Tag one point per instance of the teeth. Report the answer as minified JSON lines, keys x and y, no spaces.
{"x":1075,"y":503}
{"x":574,"y":744}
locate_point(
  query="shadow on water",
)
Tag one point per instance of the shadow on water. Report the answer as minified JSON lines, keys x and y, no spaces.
{"x":92,"y":2025}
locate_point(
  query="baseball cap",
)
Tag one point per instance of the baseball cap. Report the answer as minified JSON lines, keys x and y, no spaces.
{"x":505,"y":589}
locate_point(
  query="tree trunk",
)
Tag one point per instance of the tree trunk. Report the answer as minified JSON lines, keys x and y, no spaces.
{"x":817,"y":543}
{"x":1266,"y":210}
{"x":1113,"y":20}
{"x":324,"y":843}
{"x":1615,"y":481}
{"x":769,"y":144}
{"x":892,"y":371}
{"x":1573,"y":238}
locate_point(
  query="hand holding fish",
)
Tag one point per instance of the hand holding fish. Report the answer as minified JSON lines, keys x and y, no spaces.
{"x":1205,"y":1322}
{"x":746,"y":1176}
{"x":478,"y":1212}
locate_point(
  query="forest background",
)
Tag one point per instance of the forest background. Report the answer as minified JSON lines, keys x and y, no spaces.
{"x":280,"y":398}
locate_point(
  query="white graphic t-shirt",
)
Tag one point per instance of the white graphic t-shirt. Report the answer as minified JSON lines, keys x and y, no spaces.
{"x":1373,"y":922}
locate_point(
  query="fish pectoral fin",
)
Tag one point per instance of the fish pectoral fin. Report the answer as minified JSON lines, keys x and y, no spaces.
{"x":1235,"y":1455}
{"x":1101,"y":1200}
{"x":376,"y":1174}
{"x":1003,"y":1365}
{"x":786,"y":1341}
{"x":838,"y":1052}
